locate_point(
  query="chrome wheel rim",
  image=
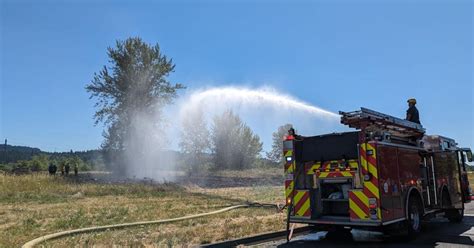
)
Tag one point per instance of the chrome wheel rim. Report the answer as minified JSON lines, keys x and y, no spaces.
{"x":415,"y":217}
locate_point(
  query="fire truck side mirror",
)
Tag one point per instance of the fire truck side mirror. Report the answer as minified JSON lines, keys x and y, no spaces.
{"x":469,"y":156}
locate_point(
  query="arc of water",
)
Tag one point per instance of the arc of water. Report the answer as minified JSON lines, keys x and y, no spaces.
{"x":262,"y":96}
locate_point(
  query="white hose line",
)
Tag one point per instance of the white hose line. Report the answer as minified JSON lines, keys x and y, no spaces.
{"x":44,"y":238}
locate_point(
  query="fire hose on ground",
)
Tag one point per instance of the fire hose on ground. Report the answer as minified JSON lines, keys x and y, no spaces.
{"x":44,"y":238}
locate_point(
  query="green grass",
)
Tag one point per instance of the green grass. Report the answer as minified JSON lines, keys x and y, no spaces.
{"x":37,"y":204}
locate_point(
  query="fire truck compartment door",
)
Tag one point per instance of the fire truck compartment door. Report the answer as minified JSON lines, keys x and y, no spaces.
{"x":391,"y":200}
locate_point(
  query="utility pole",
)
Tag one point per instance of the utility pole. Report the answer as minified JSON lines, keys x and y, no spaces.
{"x":5,"y":156}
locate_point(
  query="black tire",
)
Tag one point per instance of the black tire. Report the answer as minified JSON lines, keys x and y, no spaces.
{"x":455,"y":215}
{"x":415,"y":215}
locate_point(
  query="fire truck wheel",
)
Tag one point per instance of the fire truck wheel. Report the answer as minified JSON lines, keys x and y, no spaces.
{"x":455,"y":215}
{"x":414,"y":216}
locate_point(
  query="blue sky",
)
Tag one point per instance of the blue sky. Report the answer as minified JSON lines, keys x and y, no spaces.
{"x":338,"y":55}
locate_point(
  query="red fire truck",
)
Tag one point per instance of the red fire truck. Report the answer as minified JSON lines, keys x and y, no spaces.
{"x":387,"y":173}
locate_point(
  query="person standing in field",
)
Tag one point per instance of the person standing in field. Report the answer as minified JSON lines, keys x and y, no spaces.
{"x":75,"y":169}
{"x":66,"y":167}
{"x":52,"y":169}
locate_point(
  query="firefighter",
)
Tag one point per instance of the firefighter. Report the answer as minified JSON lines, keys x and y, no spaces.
{"x":292,"y":132}
{"x":412,"y":112}
{"x":66,"y":167}
{"x":52,"y":169}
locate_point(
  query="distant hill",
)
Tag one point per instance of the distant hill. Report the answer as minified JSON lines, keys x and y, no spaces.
{"x":25,"y":149}
{"x":12,"y":154}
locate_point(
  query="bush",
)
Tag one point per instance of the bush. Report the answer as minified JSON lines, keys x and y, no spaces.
{"x":6,"y":167}
{"x":21,"y":167}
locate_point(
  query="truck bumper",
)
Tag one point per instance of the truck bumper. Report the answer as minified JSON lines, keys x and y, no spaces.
{"x":334,"y":220}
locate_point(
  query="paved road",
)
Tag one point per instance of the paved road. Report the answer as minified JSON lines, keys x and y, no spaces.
{"x":437,"y":232}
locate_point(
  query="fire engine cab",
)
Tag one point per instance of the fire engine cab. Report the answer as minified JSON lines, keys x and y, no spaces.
{"x":386,"y":173}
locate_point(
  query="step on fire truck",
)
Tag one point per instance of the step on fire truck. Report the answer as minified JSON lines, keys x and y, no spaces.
{"x":386,"y":175}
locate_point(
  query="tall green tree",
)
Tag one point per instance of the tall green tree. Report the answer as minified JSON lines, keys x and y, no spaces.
{"x":275,"y":154}
{"x":133,"y":87}
{"x":195,"y":142}
{"x":234,"y":145}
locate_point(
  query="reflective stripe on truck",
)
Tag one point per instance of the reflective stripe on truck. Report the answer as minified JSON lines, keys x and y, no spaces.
{"x":364,"y":204}
{"x":301,"y":204}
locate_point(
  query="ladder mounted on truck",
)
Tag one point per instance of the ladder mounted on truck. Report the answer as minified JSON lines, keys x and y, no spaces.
{"x":371,"y":120}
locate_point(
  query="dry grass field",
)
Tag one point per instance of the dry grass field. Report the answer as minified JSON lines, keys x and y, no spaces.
{"x":38,"y":204}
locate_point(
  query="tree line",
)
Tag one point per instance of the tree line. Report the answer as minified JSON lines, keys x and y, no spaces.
{"x":135,"y":86}
{"x":41,"y":161}
{"x":24,"y":158}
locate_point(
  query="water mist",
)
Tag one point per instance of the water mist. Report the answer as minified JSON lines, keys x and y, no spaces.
{"x":263,"y":109}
